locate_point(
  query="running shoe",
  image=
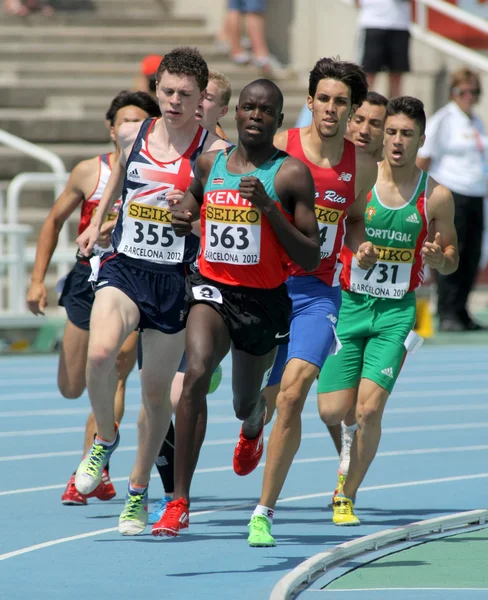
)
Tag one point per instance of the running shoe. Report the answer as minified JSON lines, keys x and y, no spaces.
{"x":260,"y":533}
{"x":344,"y":512}
{"x":133,"y":519}
{"x":90,"y":471}
{"x":175,"y":517}
{"x":248,"y":453}
{"x":158,"y":509}
{"x":71,"y":496}
{"x":341,"y":480}
{"x":105,"y":489}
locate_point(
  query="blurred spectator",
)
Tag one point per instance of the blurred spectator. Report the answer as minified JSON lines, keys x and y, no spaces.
{"x":146,"y":80}
{"x":455,"y":154}
{"x":384,"y":26}
{"x":254,"y":11}
{"x":21,"y":8}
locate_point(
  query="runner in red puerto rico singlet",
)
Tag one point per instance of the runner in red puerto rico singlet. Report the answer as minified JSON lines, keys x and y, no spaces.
{"x":334,"y":194}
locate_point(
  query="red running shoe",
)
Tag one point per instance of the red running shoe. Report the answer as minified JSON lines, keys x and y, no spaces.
{"x":248,"y":453}
{"x":105,"y":489}
{"x":71,"y":496}
{"x":175,"y":517}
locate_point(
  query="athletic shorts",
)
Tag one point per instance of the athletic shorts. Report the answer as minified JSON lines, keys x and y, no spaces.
{"x":386,"y":50}
{"x":77,"y":296}
{"x":372,"y":333}
{"x":257,"y":319}
{"x":315,"y":309}
{"x":247,"y":6}
{"x":181,"y":368}
{"x":158,"y":291}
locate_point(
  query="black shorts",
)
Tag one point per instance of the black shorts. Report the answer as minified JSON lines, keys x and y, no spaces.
{"x":77,"y":296}
{"x":258,"y":320}
{"x":158,"y":291}
{"x":386,"y":50}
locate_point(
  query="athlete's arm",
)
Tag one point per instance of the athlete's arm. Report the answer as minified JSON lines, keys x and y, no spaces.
{"x":424,"y":163}
{"x":82,"y":178}
{"x":113,"y":190}
{"x":355,"y":238}
{"x":214,"y":142}
{"x":295,"y":187}
{"x":281,"y":140}
{"x":188,"y":210}
{"x":441,"y":251}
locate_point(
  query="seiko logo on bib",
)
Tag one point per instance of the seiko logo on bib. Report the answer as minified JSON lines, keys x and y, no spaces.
{"x":332,"y":196}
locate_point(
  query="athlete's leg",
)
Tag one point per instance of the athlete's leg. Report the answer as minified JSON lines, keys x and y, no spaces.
{"x":72,"y":361}
{"x":270,"y":394}
{"x":369,"y":412}
{"x":272,"y":389}
{"x":162,"y":354}
{"x":114,"y":317}
{"x":207,"y":343}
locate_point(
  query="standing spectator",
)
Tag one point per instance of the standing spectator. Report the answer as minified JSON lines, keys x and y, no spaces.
{"x":254,"y":11}
{"x":146,"y":79}
{"x":454,"y":153}
{"x":384,"y":25}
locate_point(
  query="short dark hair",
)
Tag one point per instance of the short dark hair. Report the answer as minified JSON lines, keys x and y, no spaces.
{"x":140,"y":99}
{"x":376,"y":99}
{"x":349,"y":73}
{"x":270,"y":87}
{"x":185,"y":61}
{"x":412,"y":107}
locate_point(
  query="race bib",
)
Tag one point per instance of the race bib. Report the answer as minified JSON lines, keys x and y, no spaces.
{"x":388,"y":278}
{"x":328,"y":220}
{"x":233,"y":234}
{"x":148,"y":234}
{"x":207,"y":292}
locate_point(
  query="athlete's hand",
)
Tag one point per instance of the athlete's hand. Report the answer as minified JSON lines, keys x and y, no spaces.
{"x":88,"y":239}
{"x":37,"y":298}
{"x":366,"y":256}
{"x":432,"y":253}
{"x":252,"y":189}
{"x":174,"y":197}
{"x":182,"y":222}
{"x":105,"y":233}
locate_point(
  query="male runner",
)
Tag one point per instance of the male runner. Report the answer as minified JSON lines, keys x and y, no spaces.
{"x":365,"y":130}
{"x":141,"y":285}
{"x":406,"y":209}
{"x":214,"y":106}
{"x":343,"y":176}
{"x":85,"y":186}
{"x":255,"y":204}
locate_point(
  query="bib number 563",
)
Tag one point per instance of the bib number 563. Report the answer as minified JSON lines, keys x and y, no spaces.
{"x":229,"y":237}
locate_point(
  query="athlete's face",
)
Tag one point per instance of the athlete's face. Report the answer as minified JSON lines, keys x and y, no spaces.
{"x":127,"y":114}
{"x":179,"y":97}
{"x":331,"y":107}
{"x":258,"y":116}
{"x":210,"y":109}
{"x":366,"y":127}
{"x":402,"y":140}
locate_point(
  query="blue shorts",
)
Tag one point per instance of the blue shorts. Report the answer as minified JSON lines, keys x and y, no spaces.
{"x":315,"y":309}
{"x":77,"y":296}
{"x":247,"y":6}
{"x":158,"y":291}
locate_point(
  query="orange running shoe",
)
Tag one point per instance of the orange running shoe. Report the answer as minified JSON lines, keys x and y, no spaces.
{"x":248,"y":453}
{"x":105,"y":489}
{"x":71,"y":496}
{"x":175,"y":517}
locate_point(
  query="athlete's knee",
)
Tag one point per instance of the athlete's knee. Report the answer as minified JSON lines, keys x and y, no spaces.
{"x":331,"y":415}
{"x":124,"y":364}
{"x":369,"y":414}
{"x":197,"y":378}
{"x":289,"y":404}
{"x":245,"y":407}
{"x":70,"y":390}
{"x":100,"y":357}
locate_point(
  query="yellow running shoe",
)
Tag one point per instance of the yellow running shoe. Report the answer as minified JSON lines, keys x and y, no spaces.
{"x":344,"y":512}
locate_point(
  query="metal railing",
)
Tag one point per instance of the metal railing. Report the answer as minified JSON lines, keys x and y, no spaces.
{"x":15,"y":259}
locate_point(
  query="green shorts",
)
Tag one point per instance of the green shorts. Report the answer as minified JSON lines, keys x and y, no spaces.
{"x":372,"y":332}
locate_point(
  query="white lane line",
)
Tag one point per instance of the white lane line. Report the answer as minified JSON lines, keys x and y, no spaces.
{"x":81,"y":536}
{"x":316,"y":459}
{"x":227,"y":420}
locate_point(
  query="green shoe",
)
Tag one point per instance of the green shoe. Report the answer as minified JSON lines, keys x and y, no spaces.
{"x":133,"y":519}
{"x":89,"y":473}
{"x":260,"y":533}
